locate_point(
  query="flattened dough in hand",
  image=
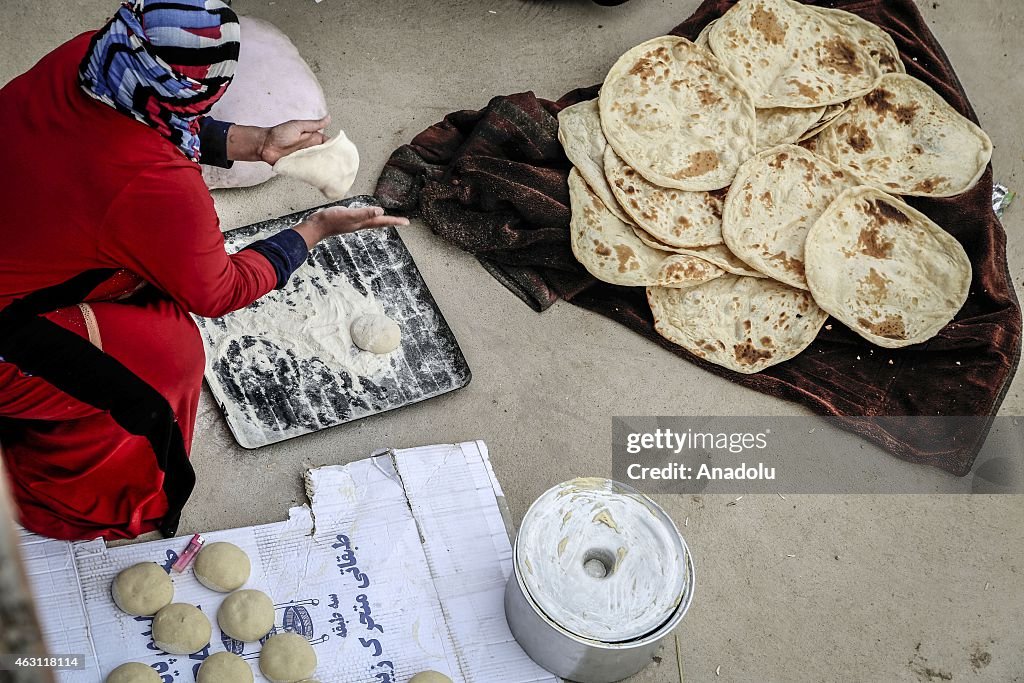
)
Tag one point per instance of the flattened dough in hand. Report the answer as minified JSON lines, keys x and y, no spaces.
{"x":272,"y":84}
{"x":376,"y":333}
{"x":330,"y":167}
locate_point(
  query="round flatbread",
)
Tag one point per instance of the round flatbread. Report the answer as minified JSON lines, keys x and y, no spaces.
{"x":611,"y":251}
{"x":828,"y":117}
{"x":903,"y":138}
{"x":811,"y":145}
{"x":776,"y":198}
{"x":745,"y":324}
{"x":784,"y":125}
{"x":579,"y":131}
{"x":717,"y":254}
{"x":875,"y":41}
{"x":676,"y":217}
{"x":673,"y":112}
{"x":885,"y":269}
{"x":702,"y":37}
{"x":788,"y":55}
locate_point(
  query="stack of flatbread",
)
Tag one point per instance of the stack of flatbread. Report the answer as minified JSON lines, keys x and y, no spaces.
{"x":750,"y":181}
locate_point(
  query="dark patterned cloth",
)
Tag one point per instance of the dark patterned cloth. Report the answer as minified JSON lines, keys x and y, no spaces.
{"x":494,"y":183}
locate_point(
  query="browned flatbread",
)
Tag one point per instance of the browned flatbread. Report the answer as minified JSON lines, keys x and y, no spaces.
{"x":885,"y":269}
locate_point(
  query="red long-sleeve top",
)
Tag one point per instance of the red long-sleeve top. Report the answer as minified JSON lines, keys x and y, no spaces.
{"x":87,"y":187}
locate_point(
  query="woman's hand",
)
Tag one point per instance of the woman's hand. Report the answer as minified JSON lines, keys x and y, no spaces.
{"x":340,"y":220}
{"x":252,"y":143}
{"x":291,"y":136}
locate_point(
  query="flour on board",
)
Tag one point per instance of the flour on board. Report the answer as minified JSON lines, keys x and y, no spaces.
{"x":286,"y":366}
{"x":312,"y":320}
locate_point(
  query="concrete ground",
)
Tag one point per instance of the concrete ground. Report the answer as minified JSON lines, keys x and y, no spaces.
{"x":810,"y":588}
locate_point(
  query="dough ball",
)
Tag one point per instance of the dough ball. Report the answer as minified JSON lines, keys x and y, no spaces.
{"x":430,"y":677}
{"x":246,"y":615}
{"x":376,"y":333}
{"x":181,"y":629}
{"x":133,"y":672}
{"x":142,"y":590}
{"x":224,"y":667}
{"x":287,"y":657}
{"x":222,"y":567}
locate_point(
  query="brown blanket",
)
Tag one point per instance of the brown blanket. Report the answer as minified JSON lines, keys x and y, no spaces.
{"x":494,"y":183}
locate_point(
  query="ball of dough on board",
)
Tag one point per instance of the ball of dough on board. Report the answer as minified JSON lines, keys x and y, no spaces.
{"x":133,"y":672}
{"x":224,"y":667}
{"x":142,"y":590}
{"x":376,"y":333}
{"x":222,"y":567}
{"x":287,"y":657}
{"x":246,"y":615}
{"x":430,"y":677}
{"x":181,"y":629}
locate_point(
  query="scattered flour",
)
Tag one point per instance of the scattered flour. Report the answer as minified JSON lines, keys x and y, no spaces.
{"x":286,"y":365}
{"x":310,"y":319}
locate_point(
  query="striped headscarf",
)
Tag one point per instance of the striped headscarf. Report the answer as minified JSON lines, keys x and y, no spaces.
{"x":165,"y":63}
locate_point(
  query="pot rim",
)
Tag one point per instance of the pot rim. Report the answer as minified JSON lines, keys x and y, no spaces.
{"x":658,"y":633}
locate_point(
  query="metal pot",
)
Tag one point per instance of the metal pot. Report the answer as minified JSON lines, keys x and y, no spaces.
{"x":575,"y":653}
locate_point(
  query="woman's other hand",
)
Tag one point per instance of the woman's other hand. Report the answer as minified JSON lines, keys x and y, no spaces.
{"x":340,"y":220}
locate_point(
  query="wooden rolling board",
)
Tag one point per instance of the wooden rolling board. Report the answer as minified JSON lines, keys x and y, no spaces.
{"x":274,"y":381}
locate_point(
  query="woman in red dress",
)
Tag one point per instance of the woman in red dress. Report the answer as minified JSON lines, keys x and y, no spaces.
{"x":109,"y":241}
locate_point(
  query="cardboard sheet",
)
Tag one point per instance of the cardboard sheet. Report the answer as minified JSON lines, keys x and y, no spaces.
{"x":397,"y":566}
